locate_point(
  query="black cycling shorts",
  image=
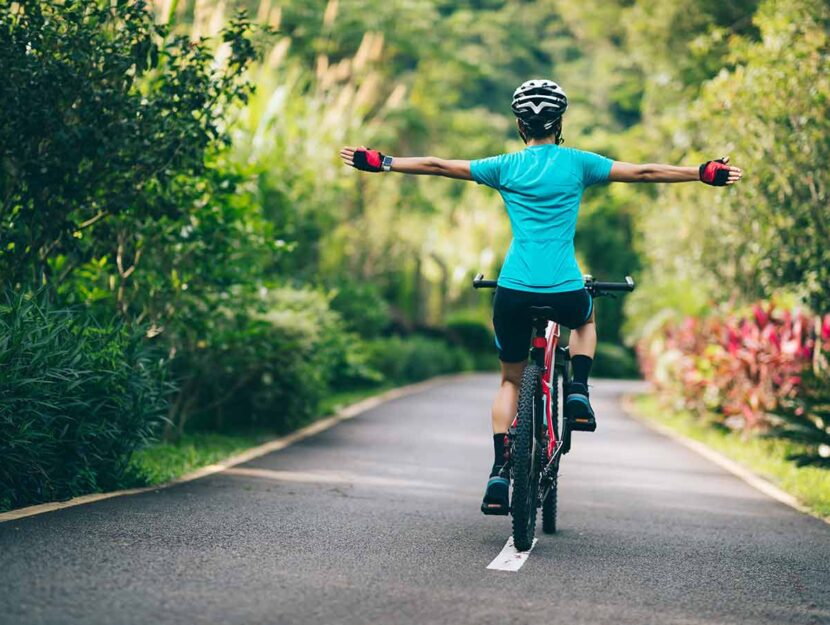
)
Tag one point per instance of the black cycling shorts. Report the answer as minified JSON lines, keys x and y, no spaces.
{"x":514,"y":325}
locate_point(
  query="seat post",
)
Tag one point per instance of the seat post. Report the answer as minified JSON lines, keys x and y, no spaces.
{"x":540,"y":324}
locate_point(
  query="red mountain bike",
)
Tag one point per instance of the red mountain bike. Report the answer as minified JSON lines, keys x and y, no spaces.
{"x":541,"y":434}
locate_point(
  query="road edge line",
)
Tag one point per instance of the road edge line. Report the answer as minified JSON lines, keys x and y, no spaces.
{"x":746,"y":475}
{"x":312,"y":429}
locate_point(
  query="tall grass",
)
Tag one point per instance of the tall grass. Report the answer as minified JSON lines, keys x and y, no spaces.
{"x":77,"y":398}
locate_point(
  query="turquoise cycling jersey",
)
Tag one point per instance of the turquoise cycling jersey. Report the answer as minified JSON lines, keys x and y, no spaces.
{"x":541,"y":187}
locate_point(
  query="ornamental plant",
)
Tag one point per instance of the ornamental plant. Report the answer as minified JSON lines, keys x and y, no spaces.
{"x":805,"y":420}
{"x":740,"y":366}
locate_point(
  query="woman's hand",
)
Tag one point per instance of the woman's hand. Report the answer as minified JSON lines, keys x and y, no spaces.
{"x":719,"y":173}
{"x":362,"y":158}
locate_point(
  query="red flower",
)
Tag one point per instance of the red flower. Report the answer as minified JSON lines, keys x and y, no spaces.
{"x":761,"y":317}
{"x":775,"y":339}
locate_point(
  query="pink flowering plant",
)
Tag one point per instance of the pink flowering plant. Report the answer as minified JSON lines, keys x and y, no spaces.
{"x":742,"y":367}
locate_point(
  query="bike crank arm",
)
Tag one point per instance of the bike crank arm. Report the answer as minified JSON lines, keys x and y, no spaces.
{"x":548,"y":472}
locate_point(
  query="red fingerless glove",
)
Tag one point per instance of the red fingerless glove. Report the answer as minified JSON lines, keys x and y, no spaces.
{"x":715,"y":173}
{"x":368,"y":160}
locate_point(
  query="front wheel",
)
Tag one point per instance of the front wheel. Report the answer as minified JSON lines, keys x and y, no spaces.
{"x":526,"y":458}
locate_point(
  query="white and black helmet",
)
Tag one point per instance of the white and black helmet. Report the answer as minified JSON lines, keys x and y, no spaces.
{"x":539,"y":103}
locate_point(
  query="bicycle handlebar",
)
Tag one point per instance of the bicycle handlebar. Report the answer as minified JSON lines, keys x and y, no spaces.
{"x":480,"y":283}
{"x":599,"y":288}
{"x":595,"y":287}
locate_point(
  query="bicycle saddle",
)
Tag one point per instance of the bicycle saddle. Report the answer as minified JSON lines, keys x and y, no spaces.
{"x":542,"y":312}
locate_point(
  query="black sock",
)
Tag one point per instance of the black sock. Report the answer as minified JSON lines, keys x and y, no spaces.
{"x":498,"y":452}
{"x":581,"y":366}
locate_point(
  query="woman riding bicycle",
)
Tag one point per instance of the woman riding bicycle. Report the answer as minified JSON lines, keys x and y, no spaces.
{"x":541,"y":186}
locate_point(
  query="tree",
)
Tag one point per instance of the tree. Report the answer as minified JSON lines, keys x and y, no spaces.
{"x":770,"y":108}
{"x":105,"y":123}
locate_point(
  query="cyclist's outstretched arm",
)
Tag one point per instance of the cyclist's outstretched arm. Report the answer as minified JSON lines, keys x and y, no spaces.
{"x":717,"y":173}
{"x":373,"y":161}
{"x":432,"y":166}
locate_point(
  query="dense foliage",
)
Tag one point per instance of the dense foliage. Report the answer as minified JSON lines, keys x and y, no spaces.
{"x":803,"y":417}
{"x":767,"y":106}
{"x":762,"y":369}
{"x":112,"y":202}
{"x":105,"y":125}
{"x":77,"y":397}
{"x":737,"y":364}
{"x":762,"y":95}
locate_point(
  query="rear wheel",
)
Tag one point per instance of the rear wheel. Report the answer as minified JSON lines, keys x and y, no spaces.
{"x":526,"y":458}
{"x":549,"y":508}
{"x":550,"y":500}
{"x":565,"y":432}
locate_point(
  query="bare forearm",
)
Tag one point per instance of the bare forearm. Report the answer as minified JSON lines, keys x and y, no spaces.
{"x":652,"y":172}
{"x":431,"y":166}
{"x":656,"y":172}
{"x":418,"y":165}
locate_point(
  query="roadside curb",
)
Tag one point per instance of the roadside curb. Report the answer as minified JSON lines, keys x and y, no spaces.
{"x":349,"y":412}
{"x":749,"y":477}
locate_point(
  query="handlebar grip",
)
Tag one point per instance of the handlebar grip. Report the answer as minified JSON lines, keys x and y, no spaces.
{"x":628,"y":285}
{"x":480,"y":283}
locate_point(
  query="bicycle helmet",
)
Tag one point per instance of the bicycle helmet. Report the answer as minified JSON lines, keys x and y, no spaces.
{"x":539,"y":103}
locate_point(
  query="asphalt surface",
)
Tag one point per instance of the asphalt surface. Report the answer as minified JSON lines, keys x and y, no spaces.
{"x":377,"y":521}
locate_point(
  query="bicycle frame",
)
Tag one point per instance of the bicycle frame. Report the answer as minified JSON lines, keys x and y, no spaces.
{"x":551,"y":362}
{"x":549,"y":356}
{"x":539,"y":443}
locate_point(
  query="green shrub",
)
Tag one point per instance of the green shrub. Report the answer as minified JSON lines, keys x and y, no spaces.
{"x":361,"y":306}
{"x":413,"y":358}
{"x":475,"y":335}
{"x":803,"y":418}
{"x":614,"y":361}
{"x":268,"y":364}
{"x":76,"y":399}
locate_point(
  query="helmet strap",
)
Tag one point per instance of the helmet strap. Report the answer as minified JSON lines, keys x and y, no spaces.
{"x":522,"y":131}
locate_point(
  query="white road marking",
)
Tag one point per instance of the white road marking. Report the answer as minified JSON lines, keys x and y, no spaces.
{"x":510,"y":559}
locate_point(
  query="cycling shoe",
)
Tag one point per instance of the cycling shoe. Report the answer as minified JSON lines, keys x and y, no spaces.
{"x":579,"y":411}
{"x":496,"y":501}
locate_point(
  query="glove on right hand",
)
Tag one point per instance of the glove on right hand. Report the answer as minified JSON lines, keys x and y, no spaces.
{"x":714,"y":173}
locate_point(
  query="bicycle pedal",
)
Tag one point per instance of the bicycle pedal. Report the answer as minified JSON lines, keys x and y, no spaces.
{"x":494,"y":509}
{"x":583,"y":424}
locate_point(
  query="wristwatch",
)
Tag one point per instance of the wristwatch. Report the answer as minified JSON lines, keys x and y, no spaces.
{"x":386,"y":165}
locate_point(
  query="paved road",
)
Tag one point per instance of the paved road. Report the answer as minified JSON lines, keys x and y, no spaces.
{"x":377,"y":521}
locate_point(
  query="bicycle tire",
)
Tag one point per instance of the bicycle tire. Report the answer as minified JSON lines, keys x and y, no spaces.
{"x":549,"y":503}
{"x":526,"y":461}
{"x":566,"y":428}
